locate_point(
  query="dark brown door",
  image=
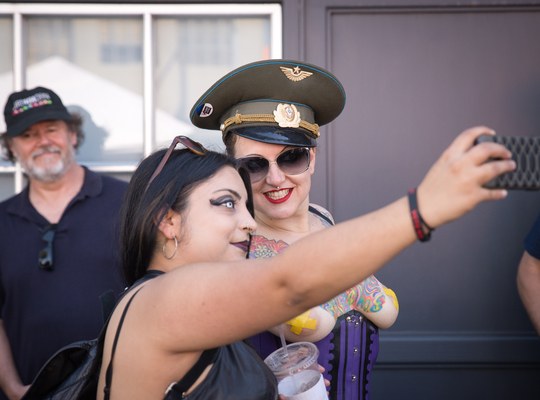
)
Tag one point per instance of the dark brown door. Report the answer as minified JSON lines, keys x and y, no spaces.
{"x":415,"y":77}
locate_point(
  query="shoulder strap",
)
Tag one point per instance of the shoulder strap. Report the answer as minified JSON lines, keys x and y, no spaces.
{"x":320,"y":214}
{"x":108,"y":299}
{"x":108,"y":375}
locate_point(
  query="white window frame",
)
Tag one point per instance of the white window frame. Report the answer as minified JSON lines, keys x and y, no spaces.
{"x":147,"y":12}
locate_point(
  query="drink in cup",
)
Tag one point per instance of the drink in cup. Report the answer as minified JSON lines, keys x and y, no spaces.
{"x":297,"y":371}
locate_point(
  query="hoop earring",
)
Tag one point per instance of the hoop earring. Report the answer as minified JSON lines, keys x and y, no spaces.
{"x":174,"y":252}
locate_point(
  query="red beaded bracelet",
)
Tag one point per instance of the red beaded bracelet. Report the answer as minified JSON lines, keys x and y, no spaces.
{"x":419,"y":224}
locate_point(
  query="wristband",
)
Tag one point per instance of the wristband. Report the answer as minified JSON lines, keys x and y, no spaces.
{"x":419,"y":224}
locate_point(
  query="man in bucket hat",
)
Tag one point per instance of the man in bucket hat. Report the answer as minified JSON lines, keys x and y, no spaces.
{"x":58,"y":247}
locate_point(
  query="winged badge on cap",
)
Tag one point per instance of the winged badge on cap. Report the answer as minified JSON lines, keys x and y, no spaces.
{"x":295,"y":74}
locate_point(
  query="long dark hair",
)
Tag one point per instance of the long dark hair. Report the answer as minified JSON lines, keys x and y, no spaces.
{"x":143,"y":210}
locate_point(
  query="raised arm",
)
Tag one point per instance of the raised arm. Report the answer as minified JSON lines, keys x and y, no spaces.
{"x":235,"y":300}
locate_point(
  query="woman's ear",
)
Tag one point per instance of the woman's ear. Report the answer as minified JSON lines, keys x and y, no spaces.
{"x":169,"y":225}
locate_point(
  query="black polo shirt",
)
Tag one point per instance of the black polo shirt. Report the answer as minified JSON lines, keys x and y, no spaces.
{"x":44,"y":310}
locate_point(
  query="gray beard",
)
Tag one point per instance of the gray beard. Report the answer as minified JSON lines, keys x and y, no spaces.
{"x":50,"y":173}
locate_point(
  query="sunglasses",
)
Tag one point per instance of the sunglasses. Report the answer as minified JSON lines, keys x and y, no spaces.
{"x":291,"y":162}
{"x":192,"y":145}
{"x":45,"y":256}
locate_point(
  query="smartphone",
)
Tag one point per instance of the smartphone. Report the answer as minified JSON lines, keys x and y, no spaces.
{"x":526,"y":153}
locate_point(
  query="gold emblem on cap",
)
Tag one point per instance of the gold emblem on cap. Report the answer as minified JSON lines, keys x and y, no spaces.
{"x":287,"y":116}
{"x":295,"y":74}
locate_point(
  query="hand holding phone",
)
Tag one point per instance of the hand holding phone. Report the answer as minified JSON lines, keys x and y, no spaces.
{"x":526,"y":153}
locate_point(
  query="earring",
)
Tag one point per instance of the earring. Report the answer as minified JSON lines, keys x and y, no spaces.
{"x":174,"y":252}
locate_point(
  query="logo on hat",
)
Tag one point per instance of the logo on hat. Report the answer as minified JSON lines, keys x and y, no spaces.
{"x":36,"y":100}
{"x":295,"y":74}
{"x":207,"y":110}
{"x":287,"y":116}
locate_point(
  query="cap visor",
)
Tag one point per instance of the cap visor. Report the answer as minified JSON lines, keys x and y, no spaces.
{"x":273,"y":135}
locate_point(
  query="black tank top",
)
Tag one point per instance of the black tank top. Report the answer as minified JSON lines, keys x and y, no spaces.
{"x":238,"y":372}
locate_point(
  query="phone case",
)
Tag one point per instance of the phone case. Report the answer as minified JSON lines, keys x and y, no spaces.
{"x":526,"y":153}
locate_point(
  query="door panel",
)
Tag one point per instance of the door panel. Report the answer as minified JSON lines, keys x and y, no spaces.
{"x":416,"y":77}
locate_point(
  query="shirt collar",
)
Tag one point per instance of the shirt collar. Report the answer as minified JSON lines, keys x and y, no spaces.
{"x":21,"y":206}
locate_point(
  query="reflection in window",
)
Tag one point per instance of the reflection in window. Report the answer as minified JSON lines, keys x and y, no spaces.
{"x":94,"y":57}
{"x":191,"y":54}
{"x":6,"y":76}
{"x":120,"y":42}
{"x":6,"y":40}
{"x":96,"y":68}
{"x":207,"y":40}
{"x":121,"y":53}
{"x":49,"y":36}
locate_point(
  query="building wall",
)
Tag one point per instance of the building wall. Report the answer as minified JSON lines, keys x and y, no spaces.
{"x":416,"y":74}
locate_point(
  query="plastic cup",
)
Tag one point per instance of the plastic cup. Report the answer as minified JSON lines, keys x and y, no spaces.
{"x":297,"y":371}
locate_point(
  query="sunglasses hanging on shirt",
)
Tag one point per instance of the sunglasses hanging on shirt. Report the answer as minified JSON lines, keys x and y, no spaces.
{"x":45,"y":256}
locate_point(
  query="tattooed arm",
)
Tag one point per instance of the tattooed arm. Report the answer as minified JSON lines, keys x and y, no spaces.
{"x":374,"y":300}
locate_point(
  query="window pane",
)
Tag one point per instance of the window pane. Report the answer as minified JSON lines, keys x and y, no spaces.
{"x":95,"y":66}
{"x":6,"y":61}
{"x":6,"y":186}
{"x":191,"y":54}
{"x":6,"y":70}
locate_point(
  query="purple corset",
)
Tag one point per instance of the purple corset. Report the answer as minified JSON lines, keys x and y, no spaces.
{"x":348,"y":355}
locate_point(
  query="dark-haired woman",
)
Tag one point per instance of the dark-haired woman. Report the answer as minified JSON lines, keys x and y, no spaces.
{"x":186,"y":225}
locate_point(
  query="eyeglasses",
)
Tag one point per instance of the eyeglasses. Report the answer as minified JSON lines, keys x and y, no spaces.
{"x":192,"y":145}
{"x":291,"y":162}
{"x":45,"y":256}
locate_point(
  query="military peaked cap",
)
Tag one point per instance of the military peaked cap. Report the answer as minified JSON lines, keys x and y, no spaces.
{"x":272,"y":101}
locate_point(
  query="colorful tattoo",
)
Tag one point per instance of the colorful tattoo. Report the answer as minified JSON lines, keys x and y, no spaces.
{"x":368,"y":296}
{"x":338,"y":305}
{"x":262,"y":247}
{"x":372,"y":298}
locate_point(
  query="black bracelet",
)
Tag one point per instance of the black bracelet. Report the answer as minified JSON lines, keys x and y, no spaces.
{"x":419,"y":224}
